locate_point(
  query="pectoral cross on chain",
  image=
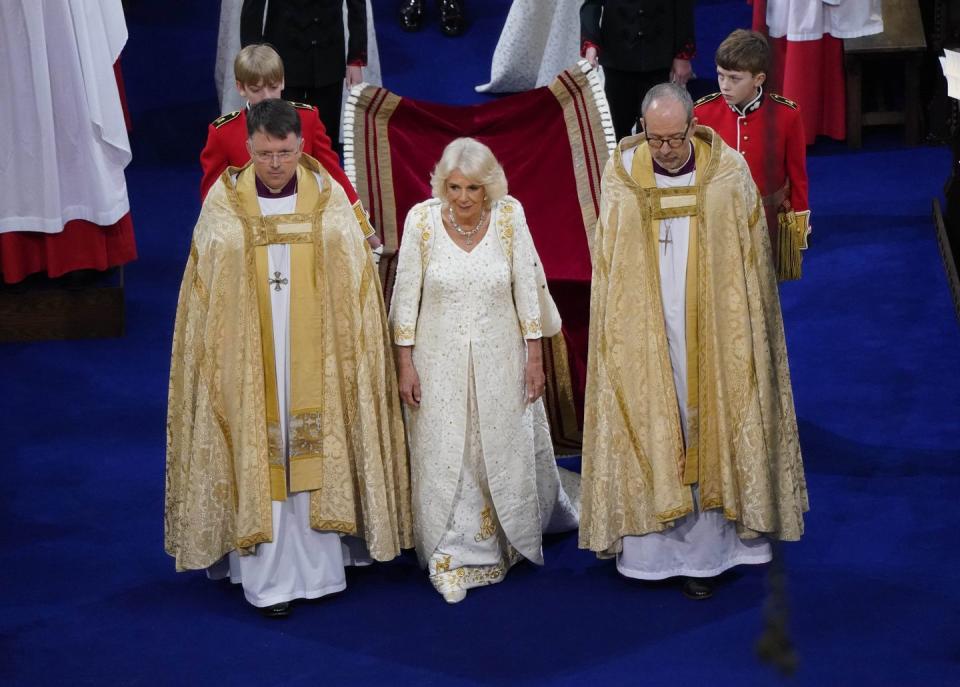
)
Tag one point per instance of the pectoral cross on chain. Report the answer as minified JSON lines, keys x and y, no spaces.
{"x":278,"y":281}
{"x":666,"y":239}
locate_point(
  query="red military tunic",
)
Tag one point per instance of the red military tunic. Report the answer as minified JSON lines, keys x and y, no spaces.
{"x":227,"y":146}
{"x":769,"y":134}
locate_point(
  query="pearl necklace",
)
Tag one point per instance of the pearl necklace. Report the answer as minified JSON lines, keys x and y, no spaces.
{"x":460,"y":230}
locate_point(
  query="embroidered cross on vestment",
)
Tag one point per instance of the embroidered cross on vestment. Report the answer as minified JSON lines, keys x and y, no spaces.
{"x":665,"y":240}
{"x":277,"y":282}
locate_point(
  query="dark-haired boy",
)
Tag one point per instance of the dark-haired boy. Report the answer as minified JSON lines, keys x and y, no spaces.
{"x":767,"y":130}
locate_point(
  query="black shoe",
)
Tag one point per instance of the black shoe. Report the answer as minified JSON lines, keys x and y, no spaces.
{"x":453,"y":21}
{"x":276,"y":610}
{"x":411,"y":15}
{"x":697,"y":588}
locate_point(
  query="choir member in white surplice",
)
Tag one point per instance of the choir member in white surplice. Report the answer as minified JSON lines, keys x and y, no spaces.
{"x":285,"y":451}
{"x":466,"y":325}
{"x":691,"y":457}
{"x":807,"y":65}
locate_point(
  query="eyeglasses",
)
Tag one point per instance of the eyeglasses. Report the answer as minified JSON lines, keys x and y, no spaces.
{"x":282,"y":156}
{"x":673,"y":141}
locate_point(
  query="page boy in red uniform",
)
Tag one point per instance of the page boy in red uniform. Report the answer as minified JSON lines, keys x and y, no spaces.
{"x":767,"y":130}
{"x":259,"y":72}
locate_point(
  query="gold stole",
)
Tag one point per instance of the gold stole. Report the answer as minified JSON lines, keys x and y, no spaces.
{"x":667,"y":203}
{"x":303,"y":231}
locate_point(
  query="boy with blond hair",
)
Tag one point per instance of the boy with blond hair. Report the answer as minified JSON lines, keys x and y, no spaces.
{"x":767,"y":130}
{"x":259,"y":73}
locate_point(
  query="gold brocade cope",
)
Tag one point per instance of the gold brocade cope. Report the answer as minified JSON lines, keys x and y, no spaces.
{"x":346,"y":429}
{"x":307,"y":317}
{"x":743,"y":449}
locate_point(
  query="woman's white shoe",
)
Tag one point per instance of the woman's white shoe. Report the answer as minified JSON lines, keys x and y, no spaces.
{"x":455,"y":596}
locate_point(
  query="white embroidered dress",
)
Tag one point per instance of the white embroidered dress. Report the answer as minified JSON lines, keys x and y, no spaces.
{"x":474,"y":440}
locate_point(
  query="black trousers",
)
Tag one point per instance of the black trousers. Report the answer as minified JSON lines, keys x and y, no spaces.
{"x":327,"y":100}
{"x":625,"y":91}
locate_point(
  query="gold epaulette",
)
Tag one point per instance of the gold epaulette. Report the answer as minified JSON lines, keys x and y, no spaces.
{"x":707,"y":98}
{"x":776,"y":97}
{"x":301,"y":106}
{"x":223,"y":119}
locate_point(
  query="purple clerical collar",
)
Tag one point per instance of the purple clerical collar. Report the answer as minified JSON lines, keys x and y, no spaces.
{"x":688,"y":166}
{"x":264,"y":192}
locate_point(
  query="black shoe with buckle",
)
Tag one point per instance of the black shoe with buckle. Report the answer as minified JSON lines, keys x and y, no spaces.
{"x":281,"y":610}
{"x":453,"y":20}
{"x":411,"y":15}
{"x":697,"y":588}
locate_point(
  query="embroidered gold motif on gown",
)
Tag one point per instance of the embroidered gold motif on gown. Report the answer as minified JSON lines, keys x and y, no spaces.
{"x":487,"y":529}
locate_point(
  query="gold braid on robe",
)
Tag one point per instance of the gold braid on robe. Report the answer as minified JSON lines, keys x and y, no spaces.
{"x":219,"y":452}
{"x":745,"y":440}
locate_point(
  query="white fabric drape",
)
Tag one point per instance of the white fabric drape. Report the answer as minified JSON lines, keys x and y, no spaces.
{"x":540,"y":39}
{"x":64,"y":139}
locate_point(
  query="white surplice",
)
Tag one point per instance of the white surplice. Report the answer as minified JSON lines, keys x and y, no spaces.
{"x":300,"y":562}
{"x":809,"y":20}
{"x":704,"y":543}
{"x":485,"y":481}
{"x":64,"y":138}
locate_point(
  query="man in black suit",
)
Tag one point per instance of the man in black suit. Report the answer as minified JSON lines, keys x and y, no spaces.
{"x":317,"y":58}
{"x":640,"y":43}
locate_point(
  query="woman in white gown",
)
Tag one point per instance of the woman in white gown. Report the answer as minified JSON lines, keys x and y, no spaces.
{"x":466,"y":323}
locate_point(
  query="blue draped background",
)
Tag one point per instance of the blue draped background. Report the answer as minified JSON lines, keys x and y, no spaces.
{"x":89,"y":597}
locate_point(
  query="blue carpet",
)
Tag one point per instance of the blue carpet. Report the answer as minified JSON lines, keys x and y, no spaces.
{"x":89,"y":597}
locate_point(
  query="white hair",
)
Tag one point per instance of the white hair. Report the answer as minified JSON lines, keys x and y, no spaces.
{"x":475,"y":161}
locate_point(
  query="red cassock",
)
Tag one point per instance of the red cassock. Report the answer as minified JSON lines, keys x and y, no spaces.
{"x":82,"y":245}
{"x":227,"y":146}
{"x":809,"y":72}
{"x":771,"y":139}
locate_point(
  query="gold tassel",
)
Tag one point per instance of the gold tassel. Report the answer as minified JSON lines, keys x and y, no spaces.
{"x":792,"y":239}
